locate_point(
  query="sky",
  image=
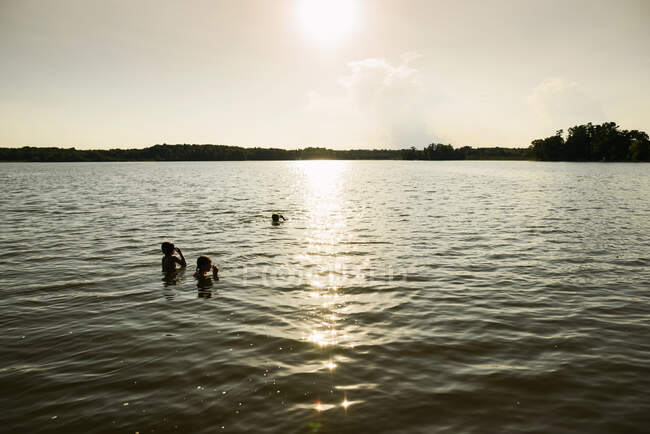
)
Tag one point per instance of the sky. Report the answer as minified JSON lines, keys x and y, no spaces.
{"x":336,"y":73}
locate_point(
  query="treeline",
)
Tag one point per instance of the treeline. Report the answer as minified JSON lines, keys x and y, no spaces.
{"x":604,"y":142}
{"x":187,"y":152}
{"x":438,"y":151}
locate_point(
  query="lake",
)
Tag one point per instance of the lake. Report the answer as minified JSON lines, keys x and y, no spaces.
{"x":399,"y":296}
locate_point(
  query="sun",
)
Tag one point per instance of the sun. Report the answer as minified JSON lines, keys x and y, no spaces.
{"x":327,"y":20}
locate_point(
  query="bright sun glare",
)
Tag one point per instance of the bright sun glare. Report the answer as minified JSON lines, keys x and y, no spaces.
{"x":327,"y":20}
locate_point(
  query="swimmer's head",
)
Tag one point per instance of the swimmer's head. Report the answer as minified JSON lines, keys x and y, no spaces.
{"x":275,"y":217}
{"x":167,"y":248}
{"x":203,"y":264}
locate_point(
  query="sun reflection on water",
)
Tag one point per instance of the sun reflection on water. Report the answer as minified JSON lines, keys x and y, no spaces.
{"x":325,"y":300}
{"x":323,"y":175}
{"x":326,"y":227}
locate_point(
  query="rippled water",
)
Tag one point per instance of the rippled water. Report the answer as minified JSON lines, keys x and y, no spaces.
{"x":419,"y":297}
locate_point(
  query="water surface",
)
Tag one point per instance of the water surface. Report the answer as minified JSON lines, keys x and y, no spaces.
{"x":418,"y":297}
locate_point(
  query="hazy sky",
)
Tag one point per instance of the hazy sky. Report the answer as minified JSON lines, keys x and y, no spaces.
{"x":292,"y":73}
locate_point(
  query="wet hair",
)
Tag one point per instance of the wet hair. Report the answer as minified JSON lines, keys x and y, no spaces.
{"x":275,"y":217}
{"x":201,"y":261}
{"x":167,"y":248}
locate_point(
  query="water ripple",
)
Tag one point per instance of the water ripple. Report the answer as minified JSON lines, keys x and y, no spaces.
{"x":415,"y":297}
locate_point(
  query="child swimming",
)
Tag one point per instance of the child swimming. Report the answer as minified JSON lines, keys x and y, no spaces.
{"x":169,"y":261}
{"x":204,"y":265}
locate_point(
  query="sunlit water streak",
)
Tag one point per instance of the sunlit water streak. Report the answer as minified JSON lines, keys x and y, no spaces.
{"x":398,"y":297}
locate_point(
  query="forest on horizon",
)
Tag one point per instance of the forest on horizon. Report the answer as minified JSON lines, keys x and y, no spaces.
{"x":588,"y":142}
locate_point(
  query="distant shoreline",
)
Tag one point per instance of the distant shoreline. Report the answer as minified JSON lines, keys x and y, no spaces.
{"x":187,"y":152}
{"x":583,"y":143}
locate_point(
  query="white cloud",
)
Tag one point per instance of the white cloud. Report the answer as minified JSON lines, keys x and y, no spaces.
{"x":380,"y":102}
{"x":564,"y":103}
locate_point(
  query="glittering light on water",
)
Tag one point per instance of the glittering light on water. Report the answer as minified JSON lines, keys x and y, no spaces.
{"x":318,"y":338}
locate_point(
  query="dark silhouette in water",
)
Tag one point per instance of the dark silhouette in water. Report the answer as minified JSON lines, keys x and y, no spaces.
{"x":275,"y":218}
{"x":169,"y":261}
{"x":204,"y":286}
{"x":206,"y":273}
{"x":172,"y":278}
{"x":205,"y":268}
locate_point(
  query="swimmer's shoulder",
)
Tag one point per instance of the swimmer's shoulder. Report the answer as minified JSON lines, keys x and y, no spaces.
{"x":168,"y":263}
